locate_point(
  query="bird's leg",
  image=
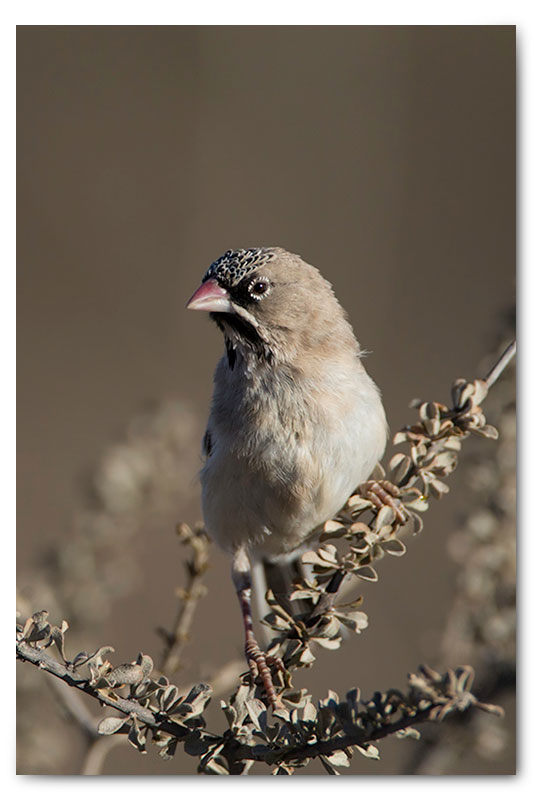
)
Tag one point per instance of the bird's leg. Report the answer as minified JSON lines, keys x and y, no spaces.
{"x":260,"y":664}
{"x":384,"y":493}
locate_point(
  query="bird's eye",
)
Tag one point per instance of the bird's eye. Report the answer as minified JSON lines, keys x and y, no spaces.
{"x":259,"y":287}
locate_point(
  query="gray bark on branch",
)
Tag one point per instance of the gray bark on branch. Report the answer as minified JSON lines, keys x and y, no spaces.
{"x":334,"y":728}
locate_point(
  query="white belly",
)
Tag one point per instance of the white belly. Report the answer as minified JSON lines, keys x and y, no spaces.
{"x":271,"y":490}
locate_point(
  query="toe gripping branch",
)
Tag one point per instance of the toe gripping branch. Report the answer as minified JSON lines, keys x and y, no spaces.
{"x":260,"y":663}
{"x":384,"y":493}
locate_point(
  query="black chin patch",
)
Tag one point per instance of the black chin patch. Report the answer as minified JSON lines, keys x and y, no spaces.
{"x":245,"y":331}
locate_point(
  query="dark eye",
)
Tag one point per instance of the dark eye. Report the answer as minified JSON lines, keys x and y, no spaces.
{"x":259,"y":287}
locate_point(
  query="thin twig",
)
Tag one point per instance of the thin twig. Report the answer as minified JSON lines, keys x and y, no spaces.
{"x":195,"y":589}
{"x":175,"y":642}
{"x":98,"y":747}
{"x":326,"y":747}
{"x":44,"y":661}
{"x":74,"y":707}
{"x":98,"y":752}
{"x":237,"y":750}
{"x":501,"y":363}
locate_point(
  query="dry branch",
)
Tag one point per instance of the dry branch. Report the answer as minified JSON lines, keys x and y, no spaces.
{"x":333,"y":729}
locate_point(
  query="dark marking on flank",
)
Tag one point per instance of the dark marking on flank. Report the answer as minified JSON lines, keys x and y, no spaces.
{"x":231,"y":353}
{"x":207,"y":444}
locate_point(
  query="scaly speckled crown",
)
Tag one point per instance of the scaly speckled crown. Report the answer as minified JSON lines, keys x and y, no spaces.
{"x":230,"y":268}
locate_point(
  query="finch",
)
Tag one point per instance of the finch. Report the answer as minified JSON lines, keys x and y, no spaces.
{"x":296,"y":423}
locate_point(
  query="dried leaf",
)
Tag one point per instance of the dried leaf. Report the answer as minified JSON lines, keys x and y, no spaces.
{"x":461,"y":391}
{"x":257,"y":712}
{"x":394,"y":547}
{"x":332,"y":529}
{"x":305,"y":593}
{"x":385,"y":516}
{"x":137,"y":735}
{"x":369,"y":751}
{"x":338,"y":759}
{"x":480,"y":391}
{"x":168,"y":698}
{"x":430,"y":416}
{"x":146,"y":663}
{"x":408,"y":733}
{"x":400,"y":437}
{"x":110,"y":725}
{"x":324,"y":558}
{"x":57,"y":635}
{"x":356,"y":503}
{"x":418,"y":523}
{"x":125,"y":674}
{"x":168,"y":750}
{"x":444,"y":463}
{"x":488,"y":431}
{"x":283,"y":769}
{"x":378,"y":473}
{"x":366,"y":573}
{"x":438,"y":488}
{"x":328,"y":644}
{"x":420,"y":504}
{"x":399,"y":466}
{"x":309,"y":713}
{"x":355,"y":620}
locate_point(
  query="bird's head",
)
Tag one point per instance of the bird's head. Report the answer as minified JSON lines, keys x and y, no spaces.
{"x":270,"y":303}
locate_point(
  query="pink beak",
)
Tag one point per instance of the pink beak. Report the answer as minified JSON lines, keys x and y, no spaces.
{"x":210,"y":296}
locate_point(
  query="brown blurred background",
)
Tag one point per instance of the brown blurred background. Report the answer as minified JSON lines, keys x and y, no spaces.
{"x":383,"y":155}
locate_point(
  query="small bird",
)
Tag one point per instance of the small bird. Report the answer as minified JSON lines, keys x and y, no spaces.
{"x":296,"y":423}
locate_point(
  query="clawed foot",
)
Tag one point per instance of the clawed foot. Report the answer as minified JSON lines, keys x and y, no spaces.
{"x":261,"y":666}
{"x":384,"y":493}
